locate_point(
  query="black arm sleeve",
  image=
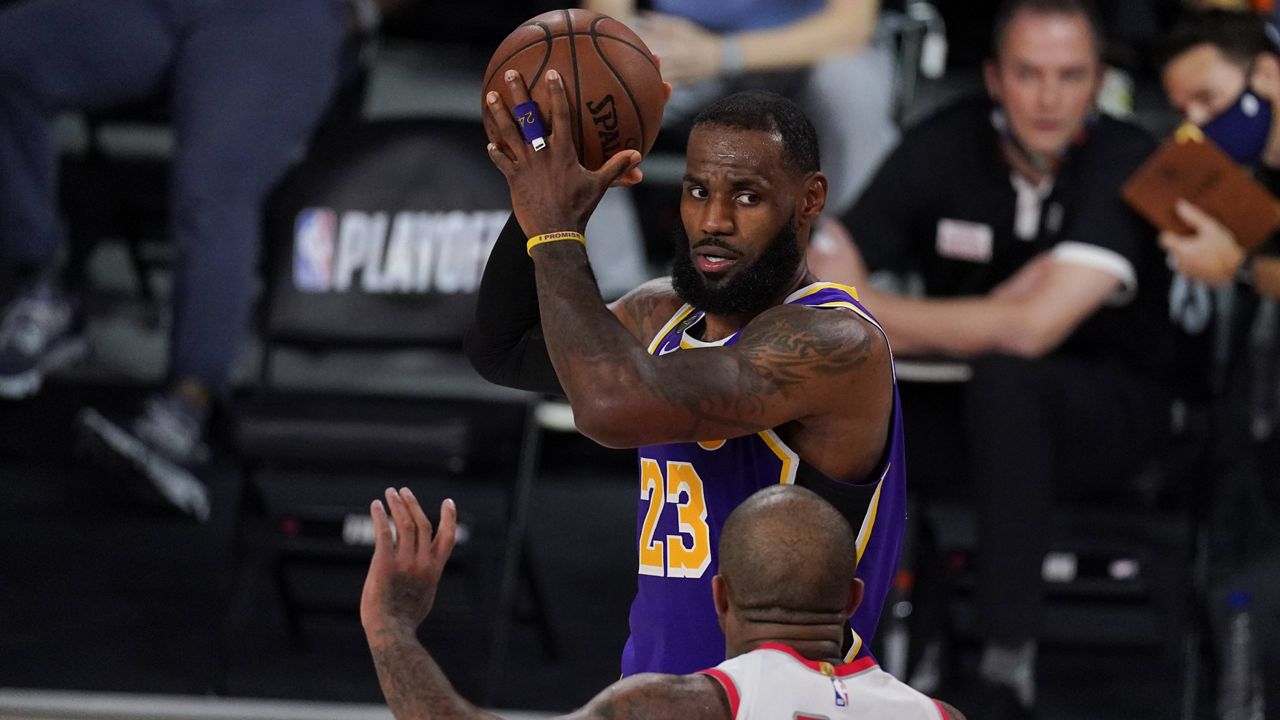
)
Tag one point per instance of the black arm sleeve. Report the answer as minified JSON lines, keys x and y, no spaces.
{"x":505,"y":343}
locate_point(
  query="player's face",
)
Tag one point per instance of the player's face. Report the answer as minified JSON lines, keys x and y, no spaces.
{"x":739,"y":251}
{"x":1046,"y":77}
{"x":1201,"y":83}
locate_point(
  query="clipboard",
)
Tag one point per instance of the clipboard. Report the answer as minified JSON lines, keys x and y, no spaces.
{"x":1192,"y":167}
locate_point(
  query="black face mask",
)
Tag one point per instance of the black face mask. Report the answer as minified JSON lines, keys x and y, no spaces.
{"x":750,"y":290}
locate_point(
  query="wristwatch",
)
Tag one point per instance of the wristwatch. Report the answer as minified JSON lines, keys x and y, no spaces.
{"x":1245,"y":273}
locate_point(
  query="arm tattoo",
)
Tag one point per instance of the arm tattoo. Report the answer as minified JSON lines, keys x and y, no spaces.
{"x":776,"y":355}
{"x":414,"y":686}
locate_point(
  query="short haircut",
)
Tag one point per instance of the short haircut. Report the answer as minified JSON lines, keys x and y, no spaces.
{"x":1010,"y":9}
{"x":786,"y":550}
{"x":1239,"y":36}
{"x":769,"y":113}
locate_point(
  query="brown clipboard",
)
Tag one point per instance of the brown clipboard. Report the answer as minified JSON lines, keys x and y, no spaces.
{"x":1192,"y":167}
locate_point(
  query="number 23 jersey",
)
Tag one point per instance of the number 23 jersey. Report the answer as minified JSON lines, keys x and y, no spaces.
{"x":687,"y":491}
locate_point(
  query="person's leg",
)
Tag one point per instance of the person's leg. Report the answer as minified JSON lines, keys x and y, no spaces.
{"x":251,"y":83}
{"x":849,"y":99}
{"x":57,"y":55}
{"x":1032,"y":425}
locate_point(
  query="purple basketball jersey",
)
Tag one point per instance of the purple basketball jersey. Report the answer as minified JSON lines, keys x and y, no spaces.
{"x":687,"y":491}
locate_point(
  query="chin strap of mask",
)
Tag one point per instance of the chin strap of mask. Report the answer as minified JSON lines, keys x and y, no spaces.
{"x":1041,"y":163}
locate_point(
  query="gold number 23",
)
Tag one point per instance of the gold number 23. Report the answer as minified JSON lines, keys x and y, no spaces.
{"x":688,"y":554}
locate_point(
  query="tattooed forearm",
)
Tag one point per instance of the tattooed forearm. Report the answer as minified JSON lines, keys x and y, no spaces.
{"x":412,"y":683}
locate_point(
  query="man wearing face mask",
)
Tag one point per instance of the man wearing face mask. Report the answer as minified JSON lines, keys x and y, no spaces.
{"x":1221,"y":70}
{"x":1052,"y":291}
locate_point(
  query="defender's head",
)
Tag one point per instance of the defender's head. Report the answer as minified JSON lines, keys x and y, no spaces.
{"x":787,"y":559}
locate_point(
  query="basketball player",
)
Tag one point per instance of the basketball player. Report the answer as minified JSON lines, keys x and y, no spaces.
{"x":738,"y":372}
{"x":781,"y":595}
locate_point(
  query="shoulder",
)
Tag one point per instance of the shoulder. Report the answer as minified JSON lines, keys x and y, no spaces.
{"x":830,"y":324}
{"x":1117,"y":143}
{"x":949,"y":711}
{"x":971,"y":113}
{"x":644,"y":310}
{"x":696,"y":697}
{"x":953,"y":142}
{"x":832,"y":340}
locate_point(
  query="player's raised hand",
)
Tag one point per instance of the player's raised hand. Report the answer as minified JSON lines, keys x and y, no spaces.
{"x":405,"y":571}
{"x":550,"y":190}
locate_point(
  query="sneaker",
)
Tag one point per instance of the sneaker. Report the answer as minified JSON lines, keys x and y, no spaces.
{"x":37,"y":337}
{"x":157,"y":451}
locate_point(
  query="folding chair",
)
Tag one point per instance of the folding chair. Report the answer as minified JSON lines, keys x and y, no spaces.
{"x":375,"y":248}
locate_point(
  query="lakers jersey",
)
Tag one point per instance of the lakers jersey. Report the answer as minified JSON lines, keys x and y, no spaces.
{"x":774,"y":681}
{"x":687,"y":491}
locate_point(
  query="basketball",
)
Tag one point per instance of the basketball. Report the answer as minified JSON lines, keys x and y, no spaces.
{"x":612,"y":83}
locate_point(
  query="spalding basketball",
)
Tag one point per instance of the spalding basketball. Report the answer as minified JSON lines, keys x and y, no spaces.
{"x":610,"y":77}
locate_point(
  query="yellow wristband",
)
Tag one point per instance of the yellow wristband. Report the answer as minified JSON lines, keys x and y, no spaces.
{"x":553,"y":237}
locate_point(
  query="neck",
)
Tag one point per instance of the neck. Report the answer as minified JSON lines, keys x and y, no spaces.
{"x":722,"y":326}
{"x":1020,"y":162}
{"x":820,"y":639}
{"x":816,"y":635}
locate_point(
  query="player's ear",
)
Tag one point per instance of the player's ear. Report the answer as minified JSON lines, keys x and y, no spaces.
{"x":856,"y":589}
{"x":813,"y":199}
{"x":720,"y":595}
{"x":991,"y":78}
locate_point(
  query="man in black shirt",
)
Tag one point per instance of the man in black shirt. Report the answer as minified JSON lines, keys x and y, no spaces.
{"x":1036,"y":273}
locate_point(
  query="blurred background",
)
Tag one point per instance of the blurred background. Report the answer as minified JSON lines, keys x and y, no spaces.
{"x":119,"y":599}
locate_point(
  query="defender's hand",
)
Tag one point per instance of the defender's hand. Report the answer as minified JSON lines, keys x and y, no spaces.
{"x":1209,"y":254}
{"x":405,"y":571}
{"x":550,"y":190}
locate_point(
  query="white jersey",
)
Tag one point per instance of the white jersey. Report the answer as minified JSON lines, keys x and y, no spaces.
{"x":774,"y":681}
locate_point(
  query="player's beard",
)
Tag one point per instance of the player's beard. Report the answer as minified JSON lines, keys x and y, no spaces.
{"x":750,"y":290}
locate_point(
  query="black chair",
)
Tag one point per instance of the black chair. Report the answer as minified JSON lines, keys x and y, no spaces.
{"x":376,"y":244}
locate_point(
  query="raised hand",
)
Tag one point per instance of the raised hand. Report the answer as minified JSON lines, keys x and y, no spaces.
{"x":550,"y":190}
{"x":405,"y":571}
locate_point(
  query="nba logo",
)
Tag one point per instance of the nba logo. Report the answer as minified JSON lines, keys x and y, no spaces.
{"x":313,"y":247}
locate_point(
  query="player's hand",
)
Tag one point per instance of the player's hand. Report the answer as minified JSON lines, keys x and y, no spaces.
{"x":1209,"y":254}
{"x":405,"y":571}
{"x":550,"y":190}
{"x":689,"y":52}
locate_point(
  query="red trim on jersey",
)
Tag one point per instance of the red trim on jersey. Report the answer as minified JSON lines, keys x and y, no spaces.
{"x":941,"y":710}
{"x":844,"y":670}
{"x":730,"y":689}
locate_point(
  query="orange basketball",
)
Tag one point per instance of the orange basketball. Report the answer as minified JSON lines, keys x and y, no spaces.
{"x":613,"y":85}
